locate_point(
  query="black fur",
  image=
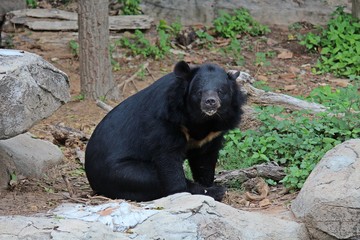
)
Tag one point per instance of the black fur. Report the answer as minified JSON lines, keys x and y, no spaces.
{"x":137,"y":151}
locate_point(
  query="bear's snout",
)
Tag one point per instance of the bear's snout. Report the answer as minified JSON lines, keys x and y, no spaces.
{"x":210,"y":102}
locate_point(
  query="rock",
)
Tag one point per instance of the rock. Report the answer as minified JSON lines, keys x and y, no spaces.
{"x":10,"y":5}
{"x":31,"y":89}
{"x":182,"y":216}
{"x":329,"y":202}
{"x":179,"y":216}
{"x":281,"y":13}
{"x":42,"y":228}
{"x":28,"y":156}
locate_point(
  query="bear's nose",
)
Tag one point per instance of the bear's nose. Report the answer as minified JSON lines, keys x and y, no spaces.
{"x":211,"y":101}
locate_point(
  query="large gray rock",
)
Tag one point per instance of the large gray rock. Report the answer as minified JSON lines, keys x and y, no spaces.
{"x":31,"y":89}
{"x":27,"y":156}
{"x":10,"y":5}
{"x":277,"y":12}
{"x":43,"y":228}
{"x":329,"y":202}
{"x":180,"y":216}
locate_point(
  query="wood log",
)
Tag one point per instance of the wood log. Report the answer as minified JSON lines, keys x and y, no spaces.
{"x":104,"y":106}
{"x":130,"y":22}
{"x":261,"y":97}
{"x":269,"y":170}
{"x":63,"y":134}
{"x":51,"y":13}
{"x":49,"y":25}
{"x":58,"y":20}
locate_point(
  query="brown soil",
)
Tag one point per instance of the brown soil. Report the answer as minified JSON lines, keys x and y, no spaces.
{"x":67,"y":182}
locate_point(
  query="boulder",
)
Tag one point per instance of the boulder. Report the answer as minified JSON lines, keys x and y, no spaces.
{"x":31,"y":89}
{"x":179,"y":216}
{"x":329,"y":202}
{"x":27,"y":156}
{"x":10,"y":5}
{"x":183,"y":216}
{"x":280,"y":12}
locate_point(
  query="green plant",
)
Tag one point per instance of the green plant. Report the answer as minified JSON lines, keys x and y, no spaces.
{"x":130,"y":7}
{"x":74,"y":48}
{"x":294,"y":27}
{"x":233,"y":50}
{"x":295,"y":140}
{"x":138,"y":44}
{"x":114,"y":64}
{"x":205,"y":37}
{"x":339,"y":45}
{"x":262,"y":85}
{"x":240,"y":22}
{"x":187,"y":170}
{"x":261,"y":59}
{"x":79,"y":97}
{"x":32,"y":3}
{"x":172,"y":29}
{"x":9,"y":41}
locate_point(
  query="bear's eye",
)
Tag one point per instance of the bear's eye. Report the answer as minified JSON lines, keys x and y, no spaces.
{"x":219,"y":91}
{"x":199,"y":93}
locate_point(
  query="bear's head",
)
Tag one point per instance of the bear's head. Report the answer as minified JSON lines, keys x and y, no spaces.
{"x":211,"y":92}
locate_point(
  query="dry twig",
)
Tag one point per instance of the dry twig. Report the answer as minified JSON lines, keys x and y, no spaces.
{"x":132,"y":78}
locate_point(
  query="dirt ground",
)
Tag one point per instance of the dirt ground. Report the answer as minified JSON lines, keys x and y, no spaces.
{"x":288,"y":72}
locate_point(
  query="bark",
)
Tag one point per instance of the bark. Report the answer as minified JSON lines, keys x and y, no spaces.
{"x":356,"y":8}
{"x":95,"y":67}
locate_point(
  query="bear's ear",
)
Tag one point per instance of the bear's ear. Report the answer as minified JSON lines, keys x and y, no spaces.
{"x":233,"y":75}
{"x":182,"y":69}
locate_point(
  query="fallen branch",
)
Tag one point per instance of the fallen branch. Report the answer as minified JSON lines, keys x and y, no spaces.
{"x":68,"y":186}
{"x":132,"y":78}
{"x":270,"y":170}
{"x":64,"y":134}
{"x":262,"y":188}
{"x":261,"y":97}
{"x":104,"y":106}
{"x":58,"y":20}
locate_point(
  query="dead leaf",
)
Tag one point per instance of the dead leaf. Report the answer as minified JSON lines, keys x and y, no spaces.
{"x":107,"y":211}
{"x":340,"y":82}
{"x":287,"y":76}
{"x":285,"y":54}
{"x":265,"y":202}
{"x":271,"y":42}
{"x":294,"y":69}
{"x":290,"y":87}
{"x":262,"y":78}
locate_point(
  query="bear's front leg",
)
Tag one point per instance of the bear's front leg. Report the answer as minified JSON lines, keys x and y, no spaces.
{"x":203,"y":161}
{"x":171,"y":173}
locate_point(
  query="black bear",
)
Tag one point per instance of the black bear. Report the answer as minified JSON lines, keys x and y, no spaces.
{"x":137,"y":151}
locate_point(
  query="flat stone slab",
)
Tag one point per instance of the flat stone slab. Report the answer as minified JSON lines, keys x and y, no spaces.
{"x":179,"y":216}
{"x":31,"y":89}
{"x":27,"y":156}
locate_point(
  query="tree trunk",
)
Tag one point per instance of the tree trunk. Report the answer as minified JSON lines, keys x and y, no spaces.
{"x":95,"y":67}
{"x":356,"y":8}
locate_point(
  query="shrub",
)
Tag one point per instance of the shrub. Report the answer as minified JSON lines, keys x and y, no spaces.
{"x":338,"y":44}
{"x":229,"y":25}
{"x":295,"y":140}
